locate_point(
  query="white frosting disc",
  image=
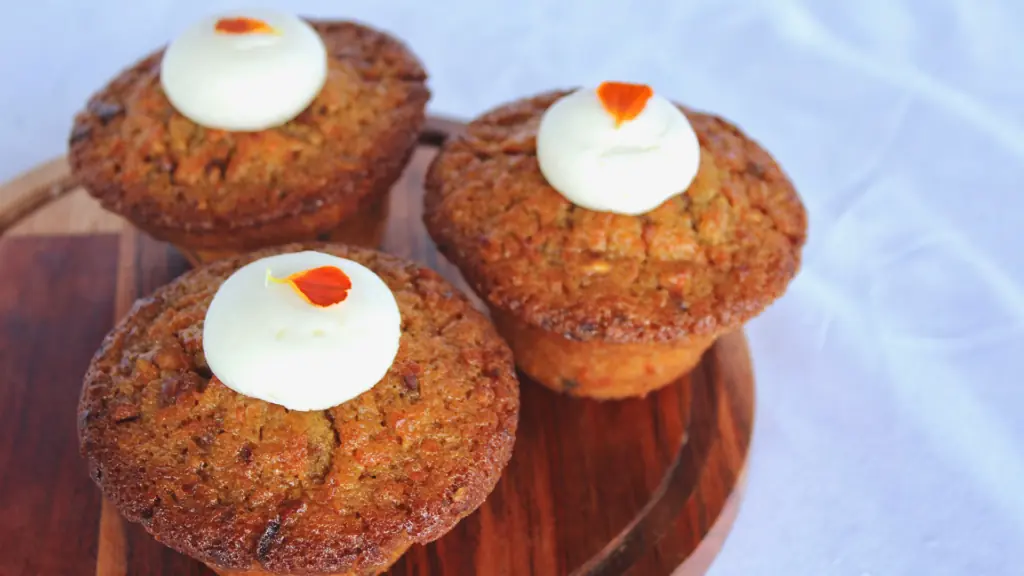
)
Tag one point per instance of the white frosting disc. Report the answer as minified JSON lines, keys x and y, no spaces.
{"x":628,"y":169}
{"x":246,"y":81}
{"x":262,"y":339}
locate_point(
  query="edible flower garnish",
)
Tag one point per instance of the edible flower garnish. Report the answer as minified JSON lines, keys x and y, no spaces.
{"x":322,"y":286}
{"x":624,"y":101}
{"x":243,"y":25}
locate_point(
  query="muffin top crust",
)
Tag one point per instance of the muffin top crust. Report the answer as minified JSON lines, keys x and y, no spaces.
{"x":703,"y":261}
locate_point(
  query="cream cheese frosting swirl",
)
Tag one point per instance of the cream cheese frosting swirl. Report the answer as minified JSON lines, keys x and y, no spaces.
{"x":305,"y":330}
{"x":619,"y":148}
{"x":246,"y":71}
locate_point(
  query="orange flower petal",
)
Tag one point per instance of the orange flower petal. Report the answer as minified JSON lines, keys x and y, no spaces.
{"x":323,"y":286}
{"x":624,"y":101}
{"x":243,"y":25}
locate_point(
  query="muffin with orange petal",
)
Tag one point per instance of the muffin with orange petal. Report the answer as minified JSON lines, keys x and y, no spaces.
{"x":613,"y":234}
{"x":310,"y":409}
{"x":253,"y":129}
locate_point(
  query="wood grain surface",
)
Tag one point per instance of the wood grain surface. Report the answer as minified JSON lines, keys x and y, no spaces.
{"x":645,"y":486}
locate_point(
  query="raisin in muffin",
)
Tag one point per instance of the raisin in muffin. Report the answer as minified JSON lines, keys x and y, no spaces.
{"x":229,"y":178}
{"x":611,"y":287}
{"x":251,"y":487}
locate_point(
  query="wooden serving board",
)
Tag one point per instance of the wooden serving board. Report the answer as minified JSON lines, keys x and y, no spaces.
{"x":645,"y":486}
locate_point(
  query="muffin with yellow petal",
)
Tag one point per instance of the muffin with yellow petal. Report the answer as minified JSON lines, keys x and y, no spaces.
{"x":613,"y":234}
{"x":253,"y":129}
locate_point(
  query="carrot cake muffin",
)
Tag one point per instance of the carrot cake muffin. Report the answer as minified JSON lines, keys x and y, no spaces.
{"x":613,"y":234}
{"x":312,"y":409}
{"x":254,"y":129}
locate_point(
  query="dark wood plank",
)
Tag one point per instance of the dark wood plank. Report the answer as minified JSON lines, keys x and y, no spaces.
{"x":710,"y":467}
{"x":55,"y":308}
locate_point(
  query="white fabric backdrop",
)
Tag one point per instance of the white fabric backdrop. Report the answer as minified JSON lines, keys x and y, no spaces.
{"x":889,"y":428}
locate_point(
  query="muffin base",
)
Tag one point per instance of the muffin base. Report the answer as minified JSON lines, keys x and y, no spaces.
{"x":595,"y":369}
{"x":263,"y":573}
{"x":368,"y":572}
{"x":365,"y":228}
